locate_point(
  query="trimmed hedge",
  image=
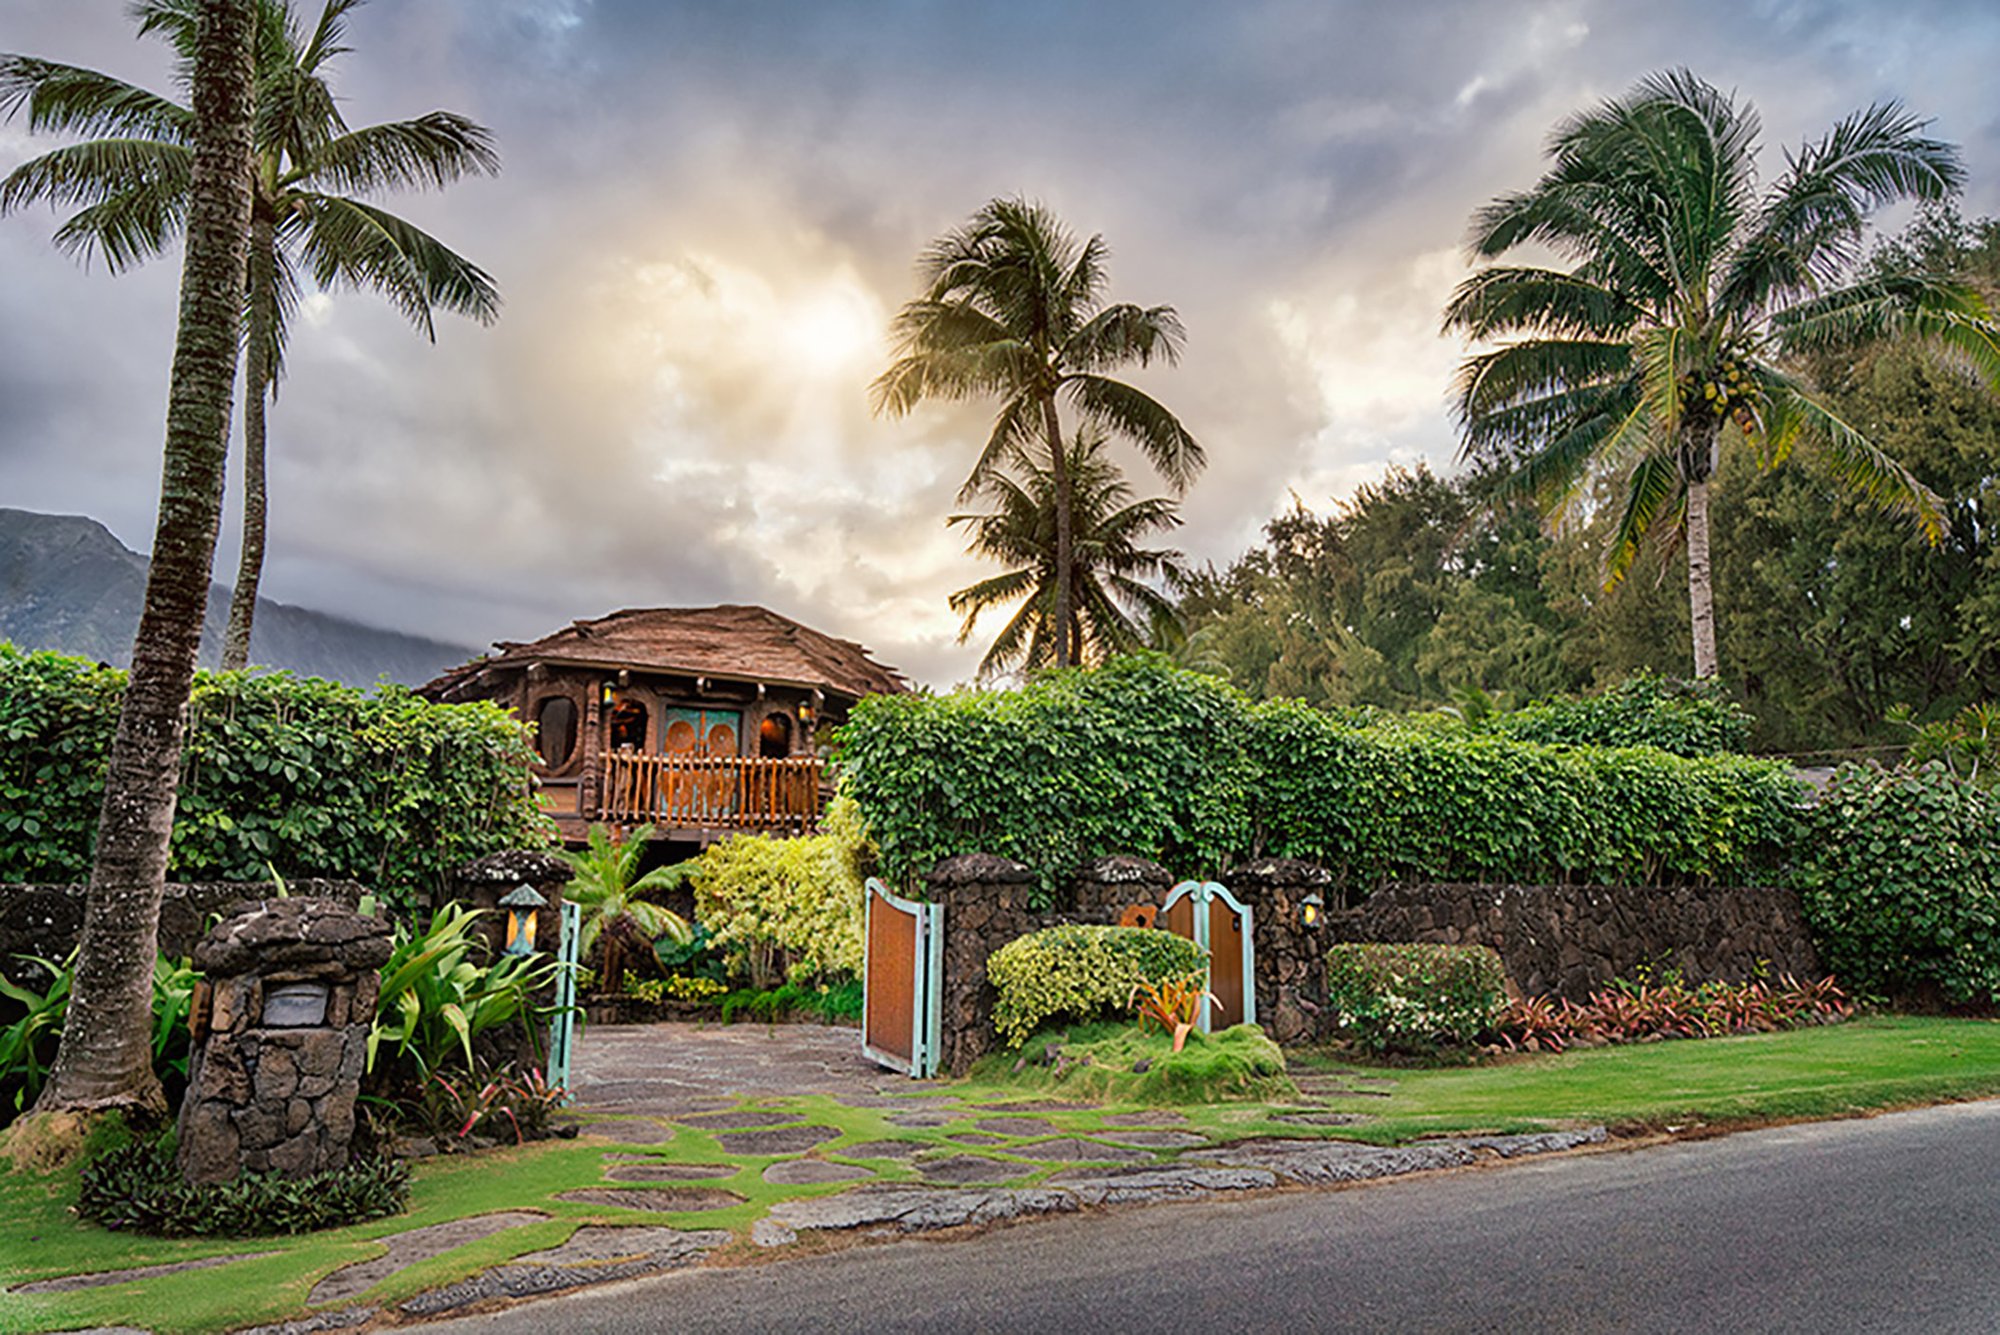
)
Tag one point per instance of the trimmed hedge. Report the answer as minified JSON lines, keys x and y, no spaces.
{"x":1900,"y":884}
{"x":1142,"y":757}
{"x":1687,"y":718}
{"x":309,"y":776}
{"x":1414,"y":996}
{"x":1081,"y":972}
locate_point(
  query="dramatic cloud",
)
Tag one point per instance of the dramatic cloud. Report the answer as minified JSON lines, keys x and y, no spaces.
{"x":709,"y":212}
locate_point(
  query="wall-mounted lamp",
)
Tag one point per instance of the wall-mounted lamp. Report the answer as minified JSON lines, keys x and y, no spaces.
{"x":1312,"y":912}
{"x":805,"y":713}
{"x":522,"y":904}
{"x":609,"y":694}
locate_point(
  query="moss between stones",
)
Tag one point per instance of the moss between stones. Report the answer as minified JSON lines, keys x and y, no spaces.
{"x":1119,"y":1063}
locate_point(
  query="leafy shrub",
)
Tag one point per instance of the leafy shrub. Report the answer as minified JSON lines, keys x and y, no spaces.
{"x":139,"y":1187}
{"x":522,"y":1104}
{"x":1687,"y":718}
{"x":1142,"y":757}
{"x":1391,"y":997}
{"x":1629,"y":1012}
{"x":1080,"y":972}
{"x":1900,"y":883}
{"x":830,"y":1002}
{"x":319,"y":778}
{"x":435,"y":1001}
{"x":787,"y":908}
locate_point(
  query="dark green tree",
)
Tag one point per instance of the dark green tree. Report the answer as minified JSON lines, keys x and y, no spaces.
{"x":1688,"y":295}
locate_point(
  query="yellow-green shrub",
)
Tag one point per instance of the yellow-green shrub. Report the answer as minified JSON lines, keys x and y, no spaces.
{"x":1080,"y":972}
{"x":787,"y":908}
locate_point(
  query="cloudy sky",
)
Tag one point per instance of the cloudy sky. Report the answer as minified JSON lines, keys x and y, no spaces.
{"x":709,"y":212}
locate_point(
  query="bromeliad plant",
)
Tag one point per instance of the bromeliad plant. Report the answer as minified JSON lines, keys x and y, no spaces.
{"x":1634,"y":1011}
{"x":435,"y":1001}
{"x":1172,"y":1003}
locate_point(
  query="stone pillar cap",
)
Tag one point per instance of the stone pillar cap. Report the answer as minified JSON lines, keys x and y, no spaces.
{"x":980,"y":869}
{"x":1280,"y":871}
{"x":293,"y":931}
{"x":515,"y":865}
{"x":1124,"y":869}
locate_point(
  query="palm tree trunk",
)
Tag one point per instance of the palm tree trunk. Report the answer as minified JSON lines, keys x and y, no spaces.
{"x":263,"y":278}
{"x":105,"y":1060}
{"x":1065,"y":541}
{"x":1699,"y":461}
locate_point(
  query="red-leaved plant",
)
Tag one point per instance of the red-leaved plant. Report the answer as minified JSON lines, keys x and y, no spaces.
{"x":1631,"y":1012}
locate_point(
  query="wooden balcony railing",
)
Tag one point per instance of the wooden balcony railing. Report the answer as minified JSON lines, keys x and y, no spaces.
{"x":710,"y":792}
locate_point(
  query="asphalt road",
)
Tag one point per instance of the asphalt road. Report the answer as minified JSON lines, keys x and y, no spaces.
{"x":1889,"y":1224}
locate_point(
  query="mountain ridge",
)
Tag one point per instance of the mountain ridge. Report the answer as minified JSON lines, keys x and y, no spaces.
{"x":68,"y":584}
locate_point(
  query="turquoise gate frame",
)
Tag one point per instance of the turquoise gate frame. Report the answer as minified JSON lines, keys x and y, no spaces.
{"x":1203,"y":894}
{"x":562,"y":1028}
{"x":926,"y":985}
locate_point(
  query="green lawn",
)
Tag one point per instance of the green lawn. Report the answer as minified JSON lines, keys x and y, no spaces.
{"x":1865,"y":1065}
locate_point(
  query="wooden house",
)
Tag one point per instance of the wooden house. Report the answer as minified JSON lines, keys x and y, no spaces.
{"x":699,"y":721}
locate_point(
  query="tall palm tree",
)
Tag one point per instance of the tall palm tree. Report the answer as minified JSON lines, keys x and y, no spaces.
{"x":1013,"y":307}
{"x":131,"y":185}
{"x":106,"y":1058}
{"x":1690,"y":295}
{"x":1112,"y":607}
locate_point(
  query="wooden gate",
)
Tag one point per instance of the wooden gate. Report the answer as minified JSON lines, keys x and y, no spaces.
{"x":1209,"y":915}
{"x":902,"y":982}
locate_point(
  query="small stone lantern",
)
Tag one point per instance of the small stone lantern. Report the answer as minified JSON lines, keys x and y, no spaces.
{"x":280,"y":1026}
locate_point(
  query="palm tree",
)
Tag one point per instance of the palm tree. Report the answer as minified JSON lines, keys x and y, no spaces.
{"x":1688,"y":298}
{"x":1013,"y":306}
{"x":106,"y":1057}
{"x":131,"y":185}
{"x":1111,"y":607}
{"x":615,"y":910}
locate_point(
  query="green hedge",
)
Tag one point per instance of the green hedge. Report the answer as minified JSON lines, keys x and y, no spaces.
{"x":787,"y":909}
{"x":1081,"y":972}
{"x":1901,"y":884}
{"x":1688,"y":718}
{"x":1146,"y":758}
{"x":1414,"y":996}
{"x":308,"y":776}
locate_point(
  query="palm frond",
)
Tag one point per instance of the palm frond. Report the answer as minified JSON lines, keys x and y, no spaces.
{"x":1141,"y":419}
{"x":1857,"y":462}
{"x":1519,"y":373}
{"x":1124,"y":335}
{"x":346,"y":241}
{"x":69,"y":99}
{"x":431,"y":151}
{"x":1501,"y":301}
{"x":1654,"y":487}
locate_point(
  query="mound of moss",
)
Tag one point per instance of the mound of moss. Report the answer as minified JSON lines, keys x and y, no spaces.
{"x":1116,"y":1062}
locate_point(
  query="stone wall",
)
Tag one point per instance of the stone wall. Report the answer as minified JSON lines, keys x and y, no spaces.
{"x":47,"y":920}
{"x":1569,"y":940}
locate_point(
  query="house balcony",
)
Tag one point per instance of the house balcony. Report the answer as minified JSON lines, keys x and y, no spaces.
{"x":692,"y":797}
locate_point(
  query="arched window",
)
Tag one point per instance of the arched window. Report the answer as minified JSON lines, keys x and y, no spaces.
{"x":555,"y":730}
{"x":774,"y":736}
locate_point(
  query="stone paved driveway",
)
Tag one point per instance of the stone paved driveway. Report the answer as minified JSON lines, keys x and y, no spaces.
{"x":674,"y":1068}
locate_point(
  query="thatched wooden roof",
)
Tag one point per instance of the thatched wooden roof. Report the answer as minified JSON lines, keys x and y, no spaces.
{"x":727,"y":643}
